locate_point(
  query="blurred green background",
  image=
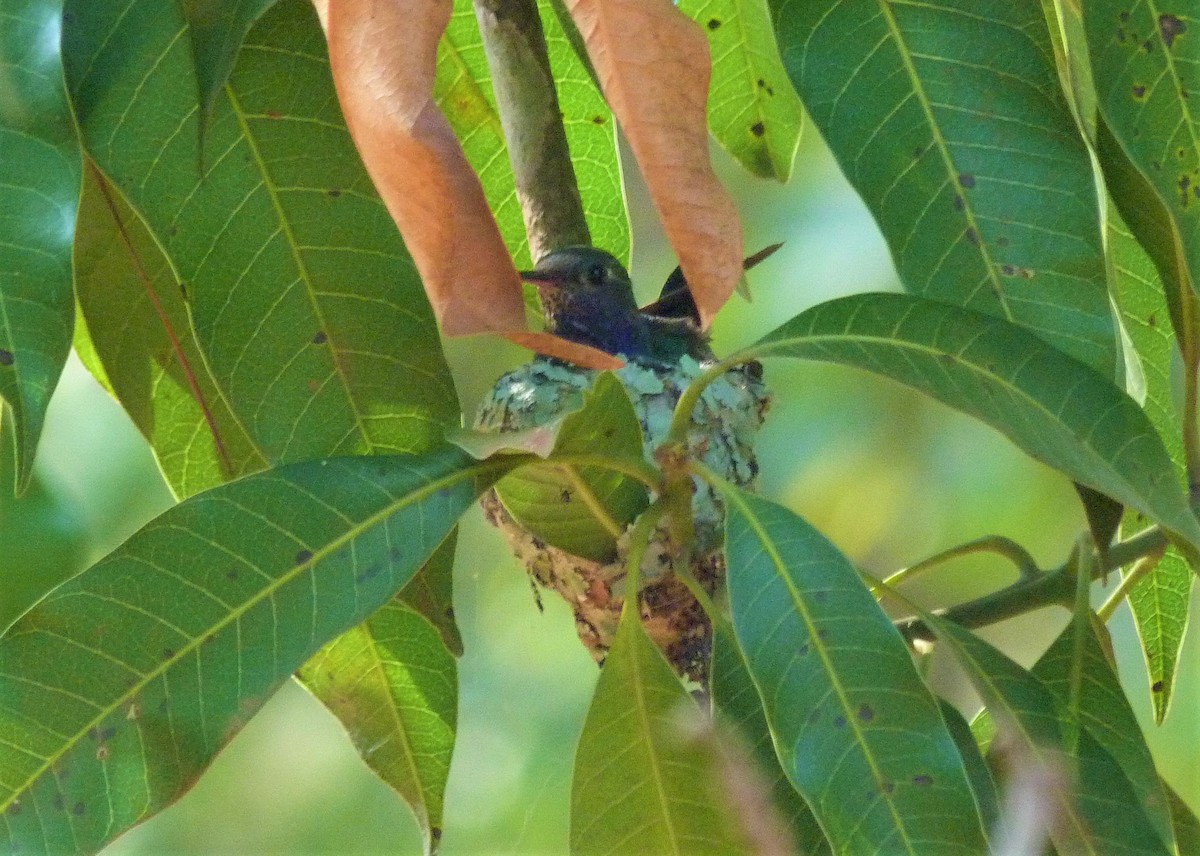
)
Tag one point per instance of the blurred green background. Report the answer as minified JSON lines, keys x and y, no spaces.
{"x":886,"y":474}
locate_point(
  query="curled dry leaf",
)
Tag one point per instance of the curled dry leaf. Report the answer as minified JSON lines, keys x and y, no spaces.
{"x":383,"y":54}
{"x":654,"y":67}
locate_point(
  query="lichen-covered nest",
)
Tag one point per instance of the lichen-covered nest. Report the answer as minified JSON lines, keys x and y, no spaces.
{"x":722,"y":432}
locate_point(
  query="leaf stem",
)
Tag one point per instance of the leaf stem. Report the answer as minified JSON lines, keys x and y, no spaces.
{"x":639,"y":541}
{"x":681,"y":418}
{"x":1006,"y":547}
{"x":594,"y":505}
{"x":533,"y":128}
{"x":1143,"y":567}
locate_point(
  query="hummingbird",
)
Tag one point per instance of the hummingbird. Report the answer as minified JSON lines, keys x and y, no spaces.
{"x":587,"y":296}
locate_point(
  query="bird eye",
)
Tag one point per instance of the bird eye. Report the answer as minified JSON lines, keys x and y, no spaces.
{"x":595,"y":274}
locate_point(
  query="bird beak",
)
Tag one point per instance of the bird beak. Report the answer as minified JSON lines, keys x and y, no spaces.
{"x":538,"y":277}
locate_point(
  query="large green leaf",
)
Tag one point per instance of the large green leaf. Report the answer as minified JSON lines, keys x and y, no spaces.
{"x":1161,"y":601}
{"x":1146,"y":68}
{"x":307,"y":309}
{"x":393,"y":684}
{"x":136,"y":338}
{"x":858,"y":733}
{"x":1104,"y":712}
{"x":949,"y":119}
{"x":753,"y":111}
{"x":1098,"y":811}
{"x":40,"y":175}
{"x":118,"y":689}
{"x":734,"y":696}
{"x":464,"y":92}
{"x":555,"y":502}
{"x":641,"y":786}
{"x":1054,"y":408}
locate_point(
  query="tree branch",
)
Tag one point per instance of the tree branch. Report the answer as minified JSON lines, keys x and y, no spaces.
{"x":1056,"y":586}
{"x":532,"y":122}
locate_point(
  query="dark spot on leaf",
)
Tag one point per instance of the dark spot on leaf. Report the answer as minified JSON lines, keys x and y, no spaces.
{"x":320,"y":337}
{"x":866,"y":713}
{"x":959,"y":203}
{"x":1139,"y":91}
{"x":449,"y":612}
{"x":1156,"y":164}
{"x":762,"y":84}
{"x":713,"y":24}
{"x":168,"y":653}
{"x":1148,"y":46}
{"x":918,"y":151}
{"x":1124,"y":16}
{"x":102,"y":752}
{"x":887,"y":787}
{"x":58,"y":802}
{"x":597,"y":120}
{"x":820,"y":596}
{"x":6,"y":357}
{"x":1008,"y":270}
{"x":1157,"y":687}
{"x":303,"y":556}
{"x":972,"y":236}
{"x":1120,"y":34}
{"x":1170,"y":26}
{"x":1152,"y":321}
{"x":924,"y":780}
{"x":822,"y":633}
{"x":274,"y":114}
{"x":1183,"y":93}
{"x":839,"y":721}
{"x":966,"y":180}
{"x":231,"y":574}
{"x":436,"y":833}
{"x":183,"y":291}
{"x":370,"y":573}
{"x":68,"y":17}
{"x":78,"y":809}
{"x":335,"y":192}
{"x":1179,"y":153}
{"x":565,"y":495}
{"x":803,"y":650}
{"x":15,"y":808}
{"x":758,"y":129}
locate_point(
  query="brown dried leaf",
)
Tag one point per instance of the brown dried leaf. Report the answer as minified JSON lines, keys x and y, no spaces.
{"x":654,"y":67}
{"x":383,"y":54}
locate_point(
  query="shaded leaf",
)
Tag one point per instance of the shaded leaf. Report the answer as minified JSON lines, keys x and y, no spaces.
{"x":983,"y":786}
{"x":753,"y":111}
{"x":734,"y":696}
{"x":149,"y":662}
{"x":857,"y":732}
{"x":303,"y":301}
{"x":557,"y":503}
{"x":1146,"y":66}
{"x":639,"y":785}
{"x":40,"y":174}
{"x":1104,"y":712}
{"x":431,"y":593}
{"x":653,"y":64}
{"x":217,"y":28}
{"x":949,"y":120}
{"x":1187,"y":826}
{"x":1161,"y":600}
{"x":393,"y":684}
{"x":1097,"y":812}
{"x":137,"y":339}
{"x":1054,"y":408}
{"x":384,"y":59}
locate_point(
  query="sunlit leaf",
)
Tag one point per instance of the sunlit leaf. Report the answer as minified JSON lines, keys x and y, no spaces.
{"x":653,"y":64}
{"x":305,"y":305}
{"x":393,"y":684}
{"x":1054,"y":408}
{"x":858,"y":733}
{"x":149,"y":662}
{"x":40,"y":176}
{"x":753,"y":111}
{"x":639,"y":786}
{"x":949,"y":120}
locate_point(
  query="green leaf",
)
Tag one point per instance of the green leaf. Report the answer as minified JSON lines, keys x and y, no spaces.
{"x":1097,"y":812}
{"x":149,"y":662}
{"x":393,"y":684}
{"x":982,"y":783}
{"x":217,"y":28}
{"x":949,"y":120}
{"x":1187,"y":826}
{"x":734,"y":696}
{"x":137,"y":339}
{"x":431,"y":593}
{"x":308,"y":311}
{"x":1104,"y":712}
{"x":1054,"y":408}
{"x":1161,"y":600}
{"x":1146,"y":66}
{"x":753,"y":111}
{"x":40,"y":175}
{"x":639,"y":785}
{"x":464,"y":92}
{"x":858,"y":733}
{"x":563,"y":504}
